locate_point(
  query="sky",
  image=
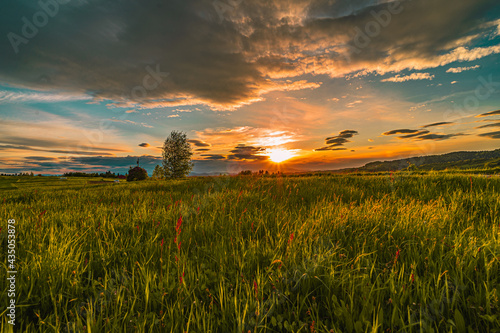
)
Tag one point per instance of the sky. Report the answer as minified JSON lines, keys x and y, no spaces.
{"x":91,"y":85}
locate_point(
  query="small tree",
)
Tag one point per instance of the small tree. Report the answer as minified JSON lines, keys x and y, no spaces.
{"x":136,"y":173}
{"x":158,"y":172}
{"x":177,"y":154}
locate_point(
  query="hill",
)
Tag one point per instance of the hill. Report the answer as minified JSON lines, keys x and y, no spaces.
{"x":455,"y":160}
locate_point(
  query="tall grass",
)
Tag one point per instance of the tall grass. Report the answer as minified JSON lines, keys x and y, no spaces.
{"x":344,"y":253}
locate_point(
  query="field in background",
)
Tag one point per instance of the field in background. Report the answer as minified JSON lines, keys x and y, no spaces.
{"x":336,"y":253}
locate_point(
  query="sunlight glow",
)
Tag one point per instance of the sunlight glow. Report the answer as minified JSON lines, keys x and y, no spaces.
{"x":278,"y":155}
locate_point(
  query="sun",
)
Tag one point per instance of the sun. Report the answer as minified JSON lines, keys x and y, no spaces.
{"x":278,"y":155}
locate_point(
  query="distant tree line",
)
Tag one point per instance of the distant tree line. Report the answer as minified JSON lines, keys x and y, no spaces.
{"x":260,"y":173}
{"x":21,"y":174}
{"x":107,"y":174}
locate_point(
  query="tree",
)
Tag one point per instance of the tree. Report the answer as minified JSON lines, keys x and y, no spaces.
{"x":158,"y":172}
{"x":177,"y":154}
{"x":136,"y":173}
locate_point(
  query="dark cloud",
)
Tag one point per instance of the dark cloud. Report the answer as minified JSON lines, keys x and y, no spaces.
{"x":114,"y":162}
{"x":213,"y":156}
{"x":438,"y":124}
{"x":434,"y":136}
{"x":40,"y":158}
{"x":329,"y":148}
{"x":243,"y":152}
{"x":414,"y":134}
{"x":421,"y":134}
{"x":491,"y":113}
{"x":338,"y":140}
{"x":347,"y":133}
{"x":57,"y":151}
{"x":50,"y":143}
{"x":144,"y":144}
{"x":400,"y":131}
{"x":492,"y":135}
{"x":227,"y":60}
{"x":199,"y":143}
{"x":488,"y":125}
{"x":202,"y":149}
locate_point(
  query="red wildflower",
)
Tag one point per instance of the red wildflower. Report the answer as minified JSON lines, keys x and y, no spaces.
{"x":161,"y":244}
{"x":255,"y":288}
{"x":137,"y":228}
{"x":397,"y":256}
{"x":290,"y":239}
{"x":178,"y":226}
{"x":180,"y":278}
{"x":312,"y":327}
{"x":412,"y":278}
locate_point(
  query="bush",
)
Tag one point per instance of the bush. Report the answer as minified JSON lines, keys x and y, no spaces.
{"x":137,"y":173}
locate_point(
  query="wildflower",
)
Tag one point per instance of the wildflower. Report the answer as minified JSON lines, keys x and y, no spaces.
{"x":256,"y":288}
{"x":178,"y":226}
{"x":290,"y":239}
{"x":412,"y":278}
{"x":397,"y":256}
{"x":312,"y":327}
{"x":162,"y":242}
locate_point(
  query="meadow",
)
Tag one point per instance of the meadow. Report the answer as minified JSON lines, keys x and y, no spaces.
{"x":398,"y":252}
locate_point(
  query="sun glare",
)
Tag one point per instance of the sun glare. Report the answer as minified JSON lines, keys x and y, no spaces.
{"x":279,"y":155}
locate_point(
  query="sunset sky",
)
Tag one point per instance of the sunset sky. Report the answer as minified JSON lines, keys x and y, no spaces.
{"x":90,"y":85}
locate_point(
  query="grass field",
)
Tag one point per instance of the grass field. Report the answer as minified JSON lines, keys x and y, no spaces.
{"x":339,"y":253}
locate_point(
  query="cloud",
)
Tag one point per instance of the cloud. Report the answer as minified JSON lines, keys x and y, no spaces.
{"x":249,"y":153}
{"x":491,"y":113}
{"x":173,"y":116}
{"x":438,"y":124}
{"x":434,"y":136}
{"x":202,"y":149}
{"x":329,"y":148}
{"x":492,"y":135}
{"x":338,"y":140}
{"x":114,"y":162}
{"x":198,"y":143}
{"x":489,"y":125}
{"x":127,"y":121}
{"x":257,"y":48}
{"x":413,"y":135}
{"x":461,"y":69}
{"x":40,"y":158}
{"x":252,"y":135}
{"x":213,"y":156}
{"x":414,"y":76}
{"x":400,"y":131}
{"x":421,"y":134}
{"x":56,"y":151}
{"x":144,"y":144}
{"x":39,"y":97}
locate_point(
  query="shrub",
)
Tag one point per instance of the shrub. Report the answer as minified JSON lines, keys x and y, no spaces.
{"x":137,"y":173}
